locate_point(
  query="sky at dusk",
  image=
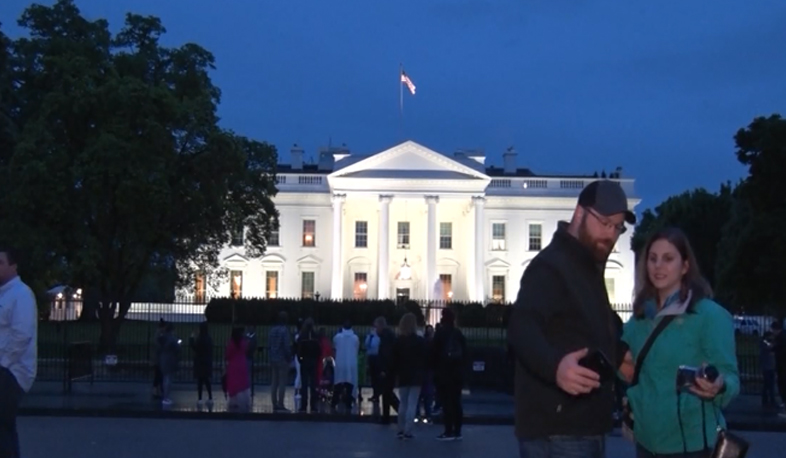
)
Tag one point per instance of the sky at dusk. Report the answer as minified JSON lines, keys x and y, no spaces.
{"x":575,"y":86}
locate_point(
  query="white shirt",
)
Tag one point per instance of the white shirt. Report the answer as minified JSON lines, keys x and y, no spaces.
{"x":347,"y":345}
{"x":19,"y":332}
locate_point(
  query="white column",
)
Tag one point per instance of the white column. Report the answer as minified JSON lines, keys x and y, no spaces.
{"x":337,"y":283}
{"x":431,"y":247}
{"x":383,"y":273}
{"x":480,"y":245}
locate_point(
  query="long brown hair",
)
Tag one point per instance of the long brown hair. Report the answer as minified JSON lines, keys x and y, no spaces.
{"x":692,"y":282}
{"x":408,"y":324}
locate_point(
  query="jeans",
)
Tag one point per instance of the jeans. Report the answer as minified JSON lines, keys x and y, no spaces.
{"x":408,"y":408}
{"x":452,"y":410}
{"x":166,"y":386}
{"x":10,"y":398}
{"x":641,"y":452}
{"x":563,"y":447}
{"x":278,"y":384}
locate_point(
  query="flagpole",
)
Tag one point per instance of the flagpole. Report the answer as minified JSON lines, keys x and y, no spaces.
{"x":401,"y":101}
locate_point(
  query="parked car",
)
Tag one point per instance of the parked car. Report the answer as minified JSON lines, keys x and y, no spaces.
{"x":750,"y":326}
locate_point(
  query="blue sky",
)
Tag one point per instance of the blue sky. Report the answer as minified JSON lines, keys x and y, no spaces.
{"x":575,"y":86}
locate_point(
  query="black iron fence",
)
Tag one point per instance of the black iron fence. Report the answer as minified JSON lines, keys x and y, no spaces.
{"x":69,"y":349}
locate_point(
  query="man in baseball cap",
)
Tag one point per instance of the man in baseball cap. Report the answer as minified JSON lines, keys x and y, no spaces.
{"x":561,"y":323}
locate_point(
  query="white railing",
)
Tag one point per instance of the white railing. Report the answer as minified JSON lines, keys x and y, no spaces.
{"x":541,"y":186}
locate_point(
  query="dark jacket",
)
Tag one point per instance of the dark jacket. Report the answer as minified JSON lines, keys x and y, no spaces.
{"x":447,"y":370}
{"x":202,"y":348}
{"x":562,"y":307}
{"x":387,"y":338}
{"x":307,"y":347}
{"x":409,"y":360}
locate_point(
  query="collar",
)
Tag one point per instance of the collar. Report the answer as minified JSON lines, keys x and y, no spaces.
{"x":576,"y":248}
{"x":672,"y":306}
{"x":10,"y":284}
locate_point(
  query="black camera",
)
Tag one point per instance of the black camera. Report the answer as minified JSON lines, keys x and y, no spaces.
{"x":687,"y":375}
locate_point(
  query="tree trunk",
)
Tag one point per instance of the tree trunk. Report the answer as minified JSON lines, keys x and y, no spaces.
{"x":111,"y":314}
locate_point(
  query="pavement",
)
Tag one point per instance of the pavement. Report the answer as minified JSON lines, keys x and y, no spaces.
{"x":134,"y":400}
{"x":47,"y":437}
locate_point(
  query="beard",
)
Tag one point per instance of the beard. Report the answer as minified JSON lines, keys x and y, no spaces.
{"x":599,"y":247}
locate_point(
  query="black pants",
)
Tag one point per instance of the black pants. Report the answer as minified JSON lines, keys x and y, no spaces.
{"x":158,"y":377}
{"x":308,"y":385}
{"x":374,"y":370}
{"x":204,"y":382}
{"x":10,"y":398}
{"x":780,"y":370}
{"x":389,"y":398}
{"x":452,"y":410}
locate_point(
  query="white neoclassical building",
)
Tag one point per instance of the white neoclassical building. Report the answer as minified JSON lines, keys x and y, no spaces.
{"x":410,"y":222}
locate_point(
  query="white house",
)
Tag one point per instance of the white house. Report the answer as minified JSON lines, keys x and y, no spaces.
{"x":410,"y":222}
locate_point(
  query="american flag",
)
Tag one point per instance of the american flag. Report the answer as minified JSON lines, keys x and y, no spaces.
{"x":405,"y":79}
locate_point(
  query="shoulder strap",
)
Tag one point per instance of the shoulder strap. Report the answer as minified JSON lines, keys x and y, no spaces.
{"x":648,"y":344}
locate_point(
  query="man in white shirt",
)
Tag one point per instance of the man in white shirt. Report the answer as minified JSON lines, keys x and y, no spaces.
{"x":18,"y":343}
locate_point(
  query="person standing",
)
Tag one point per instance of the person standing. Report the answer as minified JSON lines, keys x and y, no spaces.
{"x":280,"y":353}
{"x":18,"y":348}
{"x":202,"y":349}
{"x":561,"y":313}
{"x":409,"y":365}
{"x":387,"y":379}
{"x":449,"y":356}
{"x":307,"y":352}
{"x":371,"y":346}
{"x":347,"y":345}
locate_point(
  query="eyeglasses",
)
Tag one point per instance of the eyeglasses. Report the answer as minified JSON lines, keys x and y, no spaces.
{"x":619,"y":228}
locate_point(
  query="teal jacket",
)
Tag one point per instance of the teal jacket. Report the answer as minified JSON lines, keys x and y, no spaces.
{"x":705,"y":335}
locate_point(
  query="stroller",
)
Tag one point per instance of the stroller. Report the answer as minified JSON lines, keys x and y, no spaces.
{"x":325,"y":389}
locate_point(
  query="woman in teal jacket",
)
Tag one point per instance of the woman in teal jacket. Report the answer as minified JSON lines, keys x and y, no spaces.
{"x":668,"y":421}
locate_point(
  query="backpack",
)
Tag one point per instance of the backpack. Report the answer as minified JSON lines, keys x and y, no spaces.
{"x":453,"y":348}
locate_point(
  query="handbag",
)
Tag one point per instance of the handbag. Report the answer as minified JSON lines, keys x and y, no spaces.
{"x":727,"y":444}
{"x":627,"y":414}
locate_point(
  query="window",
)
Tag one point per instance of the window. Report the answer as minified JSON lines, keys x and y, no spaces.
{"x":610,"y":290}
{"x":309,"y":232}
{"x":535,"y":237}
{"x":498,"y":288}
{"x":236,"y":284}
{"x":361,"y":234}
{"x":361,"y":286}
{"x":447,"y":286}
{"x":307,"y":285}
{"x":498,"y":236}
{"x":403,"y":235}
{"x":274,"y":239}
{"x":271,"y":284}
{"x":237,"y":236}
{"x":445,"y":236}
{"x":199,"y":288}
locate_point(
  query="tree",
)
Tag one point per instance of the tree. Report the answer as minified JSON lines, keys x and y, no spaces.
{"x":700,"y":214}
{"x":751,"y":268}
{"x":120,"y":163}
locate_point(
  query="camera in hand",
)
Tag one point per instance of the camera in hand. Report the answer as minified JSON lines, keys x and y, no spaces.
{"x":687,"y":375}
{"x":598,"y":362}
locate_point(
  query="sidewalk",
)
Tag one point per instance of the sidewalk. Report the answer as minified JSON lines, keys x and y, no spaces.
{"x":107,"y":399}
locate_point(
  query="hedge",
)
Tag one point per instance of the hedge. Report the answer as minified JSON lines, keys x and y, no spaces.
{"x":263,"y":312}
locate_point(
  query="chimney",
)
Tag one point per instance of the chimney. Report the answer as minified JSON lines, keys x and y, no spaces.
{"x":509,"y":161}
{"x":296,"y":154}
{"x":325,"y":160}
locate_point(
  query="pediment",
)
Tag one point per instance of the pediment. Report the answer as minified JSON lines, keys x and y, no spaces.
{"x":410,"y":160}
{"x":310,"y":259}
{"x":235,"y":260}
{"x":498,"y":264}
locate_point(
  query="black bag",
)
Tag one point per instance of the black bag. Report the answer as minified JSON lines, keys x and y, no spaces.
{"x":729,"y":445}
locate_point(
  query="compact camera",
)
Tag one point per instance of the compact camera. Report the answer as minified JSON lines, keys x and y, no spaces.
{"x":687,"y":375}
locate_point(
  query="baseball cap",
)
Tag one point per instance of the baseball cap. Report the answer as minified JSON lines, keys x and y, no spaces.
{"x":607,"y":198}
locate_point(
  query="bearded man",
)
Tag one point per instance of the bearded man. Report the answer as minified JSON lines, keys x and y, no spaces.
{"x":561,"y":324}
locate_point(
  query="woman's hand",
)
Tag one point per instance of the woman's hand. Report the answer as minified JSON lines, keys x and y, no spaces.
{"x":707,"y":390}
{"x":628,"y":367}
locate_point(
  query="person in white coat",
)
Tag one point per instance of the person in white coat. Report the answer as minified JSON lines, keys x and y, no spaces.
{"x":18,"y":348}
{"x":347,"y":345}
